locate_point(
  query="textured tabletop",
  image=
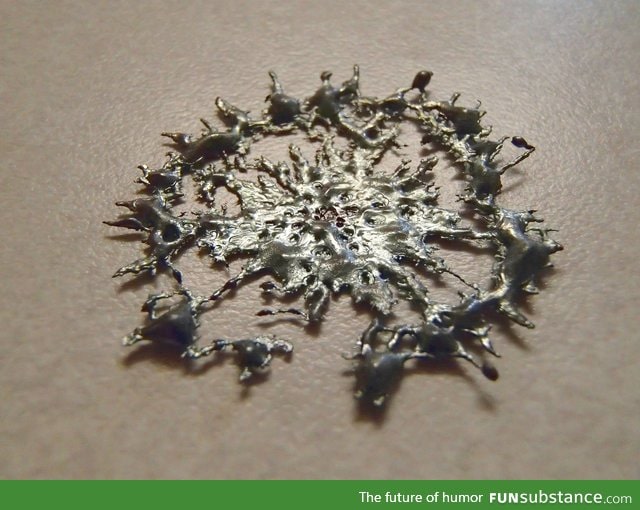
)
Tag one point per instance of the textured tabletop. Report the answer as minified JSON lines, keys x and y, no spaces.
{"x":86,"y":90}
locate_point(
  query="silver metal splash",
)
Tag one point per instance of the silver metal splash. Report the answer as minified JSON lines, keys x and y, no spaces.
{"x":336,"y":224}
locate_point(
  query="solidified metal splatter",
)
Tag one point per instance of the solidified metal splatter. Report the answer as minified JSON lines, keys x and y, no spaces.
{"x":336,"y":224}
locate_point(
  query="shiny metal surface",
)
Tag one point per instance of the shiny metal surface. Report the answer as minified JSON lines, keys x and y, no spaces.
{"x":341,"y":226}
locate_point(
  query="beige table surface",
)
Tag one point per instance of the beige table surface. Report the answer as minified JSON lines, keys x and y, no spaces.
{"x":86,"y":89}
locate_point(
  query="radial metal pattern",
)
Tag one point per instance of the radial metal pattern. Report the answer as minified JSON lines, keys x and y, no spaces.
{"x":337,"y":224}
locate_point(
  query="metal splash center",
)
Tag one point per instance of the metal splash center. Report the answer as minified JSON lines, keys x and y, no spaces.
{"x":337,"y":224}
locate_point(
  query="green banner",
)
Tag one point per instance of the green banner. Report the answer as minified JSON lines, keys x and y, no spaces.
{"x":283,"y":495}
